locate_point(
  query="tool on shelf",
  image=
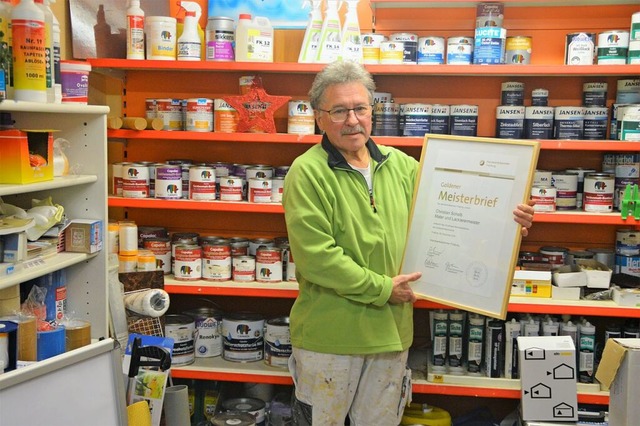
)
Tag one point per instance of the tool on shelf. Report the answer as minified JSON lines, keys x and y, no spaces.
{"x":630,"y":203}
{"x":155,"y":356}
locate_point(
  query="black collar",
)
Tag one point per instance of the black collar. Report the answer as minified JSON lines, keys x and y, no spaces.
{"x":336,"y":159}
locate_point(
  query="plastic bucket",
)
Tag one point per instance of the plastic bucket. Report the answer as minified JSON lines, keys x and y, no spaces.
{"x":75,"y":81}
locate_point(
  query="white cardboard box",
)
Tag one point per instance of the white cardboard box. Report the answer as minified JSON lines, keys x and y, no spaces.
{"x":566,"y":293}
{"x":626,"y":296}
{"x":569,"y":276}
{"x":598,"y":274}
{"x":548,"y":378}
{"x":531,"y":283}
{"x":619,"y":369}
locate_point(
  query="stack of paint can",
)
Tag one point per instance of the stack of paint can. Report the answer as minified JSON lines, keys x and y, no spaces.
{"x":625,"y":114}
{"x":510,"y":114}
{"x":628,"y":252}
{"x":490,"y":36}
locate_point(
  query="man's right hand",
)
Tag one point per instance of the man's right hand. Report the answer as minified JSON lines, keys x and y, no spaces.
{"x":402,"y":291}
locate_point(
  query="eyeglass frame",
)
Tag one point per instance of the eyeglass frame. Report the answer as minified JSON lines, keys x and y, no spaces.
{"x":370,"y":109}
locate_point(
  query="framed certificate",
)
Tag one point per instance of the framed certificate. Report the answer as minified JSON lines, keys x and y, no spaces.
{"x":462,"y":235}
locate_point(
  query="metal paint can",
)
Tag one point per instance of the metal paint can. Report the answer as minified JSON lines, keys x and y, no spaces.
{"x":518,"y":50}
{"x":489,"y":14}
{"x":464,"y":120}
{"x":459,"y":50}
{"x":416,"y":119}
{"x":510,"y":122}
{"x":269,"y":264}
{"x":431,"y":50}
{"x":581,"y":174}
{"x":386,"y":119}
{"x":545,"y":198}
{"x":168,"y":181}
{"x":489,"y":45}
{"x":231,"y":188}
{"x":259,"y":190}
{"x":277,"y":342}
{"x":181,"y":328}
{"x":220,"y":39}
{"x":244,"y":268}
{"x":613,"y":47}
{"x":233,"y":419}
{"x":556,"y":256}
{"x":277,"y":189}
{"x":629,"y":265}
{"x":208,"y":331}
{"x":371,"y":48}
{"x":257,"y":243}
{"x":410,"y":46}
{"x":253,"y":406}
{"x":598,"y":192}
{"x":290,"y":269}
{"x":542,"y":178}
{"x":225,"y":117}
{"x":118,"y":170}
{"x":512,"y":93}
{"x":301,"y":120}
{"x":202,"y":183}
{"x":595,"y":123}
{"x":627,"y":172}
{"x":243,"y":337}
{"x":569,"y":122}
{"x":604,"y":255}
{"x":580,"y":48}
{"x":170,"y":111}
{"x":391,"y":52}
{"x":188,"y":262}
{"x":539,"y":97}
{"x":594,"y":94}
{"x":150,"y":109}
{"x":440,"y":119}
{"x":566,"y":185}
{"x":199,"y":115}
{"x":161,"y":248}
{"x":239,"y":246}
{"x":216,"y":260}
{"x":538,"y":122}
{"x":628,"y":91}
{"x":627,"y":242}
{"x":135,"y":181}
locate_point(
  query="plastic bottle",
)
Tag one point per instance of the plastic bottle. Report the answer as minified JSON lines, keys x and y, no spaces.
{"x":190,"y":41}
{"x":311,"y":40}
{"x":28,"y":34}
{"x":330,"y":48}
{"x":135,"y":31}
{"x":48,"y":48}
{"x":254,"y":39}
{"x":5,"y":45}
{"x":351,"y":40}
{"x":57,"y":86}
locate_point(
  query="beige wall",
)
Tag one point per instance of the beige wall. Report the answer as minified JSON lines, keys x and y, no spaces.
{"x":61,"y":9}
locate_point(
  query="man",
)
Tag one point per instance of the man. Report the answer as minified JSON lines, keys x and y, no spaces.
{"x":347,"y":204}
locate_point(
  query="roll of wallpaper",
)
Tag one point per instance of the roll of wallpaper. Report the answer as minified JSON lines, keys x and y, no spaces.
{"x":176,"y":405}
{"x":151,"y":303}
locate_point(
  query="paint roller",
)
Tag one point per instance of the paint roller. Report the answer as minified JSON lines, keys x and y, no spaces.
{"x":151,"y":303}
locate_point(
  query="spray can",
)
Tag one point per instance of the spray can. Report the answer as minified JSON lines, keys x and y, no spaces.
{"x":28,"y":35}
{"x":454,"y":357}
{"x":439,"y":340}
{"x":135,"y":31}
{"x":587,"y":348}
{"x":475,"y":342}
{"x":48,"y":49}
{"x":311,"y":41}
{"x":254,"y":39}
{"x":189,"y":42}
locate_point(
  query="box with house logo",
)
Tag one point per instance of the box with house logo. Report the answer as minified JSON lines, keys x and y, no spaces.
{"x":548,"y":378}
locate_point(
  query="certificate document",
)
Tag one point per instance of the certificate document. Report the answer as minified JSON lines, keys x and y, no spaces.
{"x":462,"y":235}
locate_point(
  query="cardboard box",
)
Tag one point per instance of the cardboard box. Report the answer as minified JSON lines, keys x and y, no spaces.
{"x":619,"y":370}
{"x":83,"y":236}
{"x":548,"y":378}
{"x":566,"y":293}
{"x":569,"y":276}
{"x":531,"y":283}
{"x":26,"y":156}
{"x":598,"y":274}
{"x":626,"y":296}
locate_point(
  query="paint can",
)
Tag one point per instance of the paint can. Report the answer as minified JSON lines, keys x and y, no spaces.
{"x":518,"y":50}
{"x":627,"y":242}
{"x":578,"y":255}
{"x":152,"y":177}
{"x":170,"y":112}
{"x":569,"y":122}
{"x":539,"y":97}
{"x":301,"y":120}
{"x":594,"y":94}
{"x":281,"y":171}
{"x":613,"y":47}
{"x":8,"y":346}
{"x":542,"y":178}
{"x":510,"y":122}
{"x":626,"y":172}
{"x":208,"y":331}
{"x":431,"y":50}
{"x":150,"y":109}
{"x":604,"y":255}
{"x":168,"y":182}
{"x":235,"y":419}
{"x":243,"y":337}
{"x":410,"y":46}
{"x":244,"y":268}
{"x":440,"y":119}
{"x":538,"y":122}
{"x":135,"y":181}
{"x":459,"y":50}
{"x":391,"y":53}
{"x":181,"y":328}
{"x":555,"y":256}
{"x":202,"y":183}
{"x":489,"y":14}
{"x":239,"y":246}
{"x":231,"y":188}
{"x":199,"y":115}
{"x":416,"y":119}
{"x":371,"y":48}
{"x":386,"y":119}
{"x":161,"y":35}
{"x":277,"y":342}
{"x":545,"y":198}
{"x":187,"y":262}
{"x":598,"y":192}
{"x":216,"y":260}
{"x":118,"y":171}
{"x":633,"y":56}
{"x":566,"y":185}
{"x":277,"y":189}
{"x":582,"y":172}
{"x":596,"y":120}
{"x":580,"y":48}
{"x":464,"y":120}
{"x":628,"y":91}
{"x":161,"y":248}
{"x":269,"y":264}
{"x":257,"y":243}
{"x":629,"y":265}
{"x":253,"y":406}
{"x":225,"y":117}
{"x":489,"y":45}
{"x":512,"y":93}
{"x":260,"y":171}
{"x":259,"y":190}
{"x":220,"y":39}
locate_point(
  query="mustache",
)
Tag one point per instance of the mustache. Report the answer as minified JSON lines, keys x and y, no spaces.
{"x":352,"y":130}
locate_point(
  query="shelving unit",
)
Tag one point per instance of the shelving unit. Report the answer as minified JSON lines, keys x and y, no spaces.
{"x":448,"y":84}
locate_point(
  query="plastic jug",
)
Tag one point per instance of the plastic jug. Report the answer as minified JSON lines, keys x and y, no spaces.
{"x":254,"y":39}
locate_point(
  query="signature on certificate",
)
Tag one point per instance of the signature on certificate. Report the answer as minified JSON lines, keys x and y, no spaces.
{"x":431,"y":260}
{"x":452,"y":268}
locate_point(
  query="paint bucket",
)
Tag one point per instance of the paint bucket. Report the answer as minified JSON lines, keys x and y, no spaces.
{"x":391,"y":52}
{"x":243,"y":337}
{"x":556,"y":256}
{"x":135,"y":181}
{"x":542,"y":178}
{"x":8,"y":346}
{"x":253,"y":406}
{"x":569,"y":122}
{"x":539,"y":97}
{"x":371,"y":48}
{"x":627,"y":242}
{"x":181,"y":328}
{"x":629,"y":265}
{"x":161,"y":248}
{"x":510,"y":122}
{"x":74,"y":78}
{"x":231,"y":188}
{"x":202,"y":183}
{"x":431,"y":50}
{"x":386,"y":119}
{"x":257,"y":243}
{"x":581,"y":174}
{"x":235,"y":419}
{"x":594,"y":94}
{"x":628,"y":91}
{"x":545,"y":198}
{"x":277,"y":342}
{"x":216,"y":260}
{"x":269,"y":264}
{"x":512,"y":93}
{"x":187,"y":262}
{"x":459,"y":50}
{"x":168,"y":182}
{"x":566,"y":185}
{"x":464,"y":120}
{"x":244,"y":268}
{"x":613,"y":47}
{"x":170,"y":111}
{"x":594,"y":126}
{"x":416,"y":119}
{"x":489,"y":14}
{"x":598,"y":192}
{"x":259,"y":190}
{"x":199,"y":115}
{"x":440,"y":119}
{"x":208,"y":331}
{"x":518,"y":50}
{"x":410,"y":46}
{"x":277,"y":189}
{"x":225,"y":117}
{"x":220,"y":39}
{"x":489,"y":45}
{"x":301,"y":120}
{"x":579,"y":48}
{"x":538,"y":122}
{"x":161,"y":35}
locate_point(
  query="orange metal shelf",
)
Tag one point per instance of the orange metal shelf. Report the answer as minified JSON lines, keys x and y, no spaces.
{"x":579,"y":217}
{"x":217,"y":206}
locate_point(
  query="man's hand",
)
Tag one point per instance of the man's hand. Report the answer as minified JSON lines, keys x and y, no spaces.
{"x":402,"y":292}
{"x":523,"y":214}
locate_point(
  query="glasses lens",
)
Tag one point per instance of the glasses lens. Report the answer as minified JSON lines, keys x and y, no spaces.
{"x":339,"y":115}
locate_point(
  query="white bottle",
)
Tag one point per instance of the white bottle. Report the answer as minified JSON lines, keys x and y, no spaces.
{"x":28,"y":32}
{"x":254,"y":39}
{"x":351,"y":38}
{"x":311,"y":41}
{"x":57,"y":53}
{"x":189,"y":43}
{"x":48,"y":48}
{"x":135,"y":31}
{"x":330,"y":48}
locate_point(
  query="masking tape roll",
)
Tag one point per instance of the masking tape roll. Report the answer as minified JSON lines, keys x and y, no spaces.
{"x":27,"y":340}
{"x":152,"y":303}
{"x":78,"y":334}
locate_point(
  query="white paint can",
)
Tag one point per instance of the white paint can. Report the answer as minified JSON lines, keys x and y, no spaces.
{"x":199,"y":115}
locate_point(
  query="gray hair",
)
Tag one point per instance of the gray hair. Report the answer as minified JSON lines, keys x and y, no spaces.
{"x":340,"y":72}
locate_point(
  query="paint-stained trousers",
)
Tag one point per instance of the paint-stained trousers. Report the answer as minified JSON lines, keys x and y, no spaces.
{"x":371,"y":389}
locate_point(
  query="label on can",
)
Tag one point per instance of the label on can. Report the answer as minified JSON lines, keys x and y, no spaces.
{"x":595,"y":123}
{"x":135,"y":181}
{"x":613,"y":47}
{"x":243,"y":337}
{"x":566,"y":185}
{"x":489,"y":45}
{"x":202,"y":183}
{"x":187,"y":262}
{"x":440,"y":119}
{"x":391,"y":52}
{"x":225,"y":117}
{"x":244,"y":268}
{"x":431,"y":50}
{"x":161,"y":248}
{"x":220,"y":39}
{"x":510,"y":122}
{"x":269,"y":264}
{"x":216,"y":261}
{"x":277,"y":342}
{"x":598,"y":192}
{"x":277,"y":189}
{"x":569,"y":122}
{"x":371,"y":48}
{"x":208,"y":332}
{"x":628,"y":242}
{"x":518,"y":50}
{"x":170,"y":111}
{"x":230,"y":188}
{"x":301,"y":120}
{"x":545,"y":198}
{"x":580,"y":49}
{"x":416,"y":119}
{"x":512,"y":93}
{"x":464,"y":120}
{"x":386,"y":119}
{"x":459,"y":50}
{"x":538,"y":122}
{"x":594,"y":94}
{"x":199,"y":115}
{"x":181,"y":328}
{"x":409,"y":43}
{"x":168,"y":181}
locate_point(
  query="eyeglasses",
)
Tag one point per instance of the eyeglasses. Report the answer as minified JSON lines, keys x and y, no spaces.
{"x":339,"y":115}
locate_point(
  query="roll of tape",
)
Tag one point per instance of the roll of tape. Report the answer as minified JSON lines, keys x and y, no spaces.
{"x":9,"y":300}
{"x":78,"y":334}
{"x":51,"y":342}
{"x":152,"y":303}
{"x":27,"y":340}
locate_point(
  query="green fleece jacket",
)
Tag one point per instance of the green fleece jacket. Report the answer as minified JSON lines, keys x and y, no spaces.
{"x":347,"y":244}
